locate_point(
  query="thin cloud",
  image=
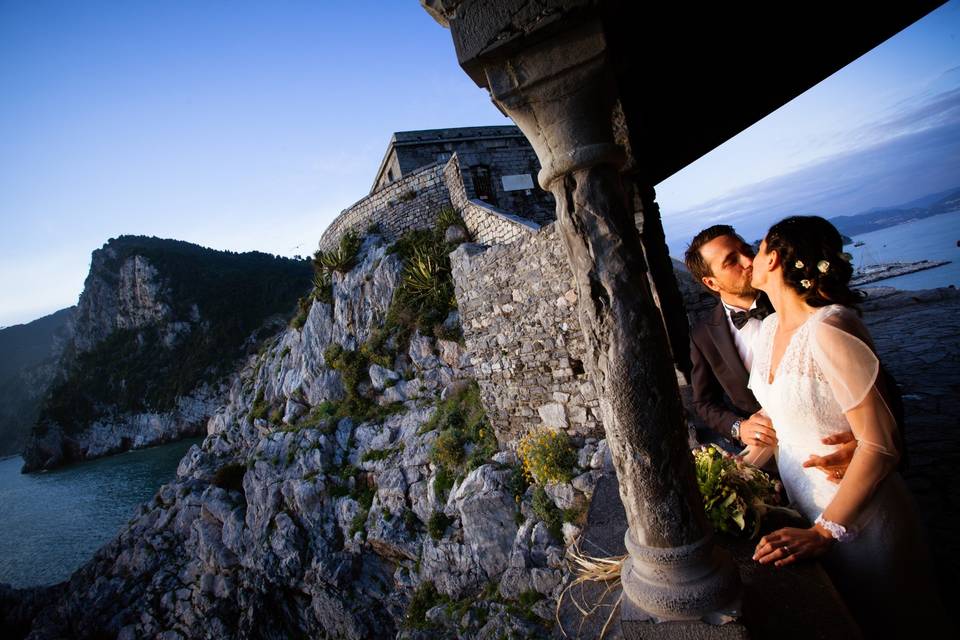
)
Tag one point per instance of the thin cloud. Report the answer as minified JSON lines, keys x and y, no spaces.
{"x":918,"y":153}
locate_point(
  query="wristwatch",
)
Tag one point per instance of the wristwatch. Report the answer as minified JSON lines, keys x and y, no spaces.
{"x":735,"y":430}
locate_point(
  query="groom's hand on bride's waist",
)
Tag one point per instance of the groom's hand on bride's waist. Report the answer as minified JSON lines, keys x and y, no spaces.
{"x":758,"y":430}
{"x":835,"y":464}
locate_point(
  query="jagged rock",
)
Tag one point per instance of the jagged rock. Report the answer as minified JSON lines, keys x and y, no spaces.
{"x":553,"y":415}
{"x":455,"y":234}
{"x":128,"y":431}
{"x":555,"y":557}
{"x":421,"y":352}
{"x":436,"y":378}
{"x":437,"y":615}
{"x":562,"y":494}
{"x":540,"y":540}
{"x":586,"y":482}
{"x":452,"y":567}
{"x":423,"y":500}
{"x":388,"y":535}
{"x":362,"y":296}
{"x":391,"y":395}
{"x":515,"y":581}
{"x":451,"y":353}
{"x":381,"y":376}
{"x":487,"y":512}
{"x":544,"y":609}
{"x":505,"y":457}
{"x":545,"y":580}
{"x":585,"y":454}
{"x":392,"y":489}
{"x":293,"y":410}
{"x":502,"y":624}
{"x":601,"y":459}
{"x":135,"y":301}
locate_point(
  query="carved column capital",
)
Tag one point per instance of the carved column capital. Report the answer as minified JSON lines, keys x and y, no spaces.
{"x":561,"y":95}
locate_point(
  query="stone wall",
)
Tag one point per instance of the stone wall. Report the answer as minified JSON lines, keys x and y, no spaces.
{"x":409,"y":203}
{"x":414,"y":201}
{"x":511,"y":158}
{"x":486,"y":223}
{"x":518,"y":311}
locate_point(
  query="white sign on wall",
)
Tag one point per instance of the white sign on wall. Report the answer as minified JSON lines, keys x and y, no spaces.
{"x":518,"y":182}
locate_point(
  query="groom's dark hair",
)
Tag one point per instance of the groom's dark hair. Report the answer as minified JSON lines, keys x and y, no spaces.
{"x":692,"y":258}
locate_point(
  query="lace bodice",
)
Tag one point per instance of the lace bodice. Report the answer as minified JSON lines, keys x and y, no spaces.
{"x":827,"y":369}
{"x":803,"y":411}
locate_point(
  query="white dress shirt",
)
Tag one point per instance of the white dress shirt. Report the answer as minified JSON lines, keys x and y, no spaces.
{"x":743,"y":338}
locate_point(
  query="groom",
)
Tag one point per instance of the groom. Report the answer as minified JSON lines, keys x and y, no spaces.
{"x":721,"y":348}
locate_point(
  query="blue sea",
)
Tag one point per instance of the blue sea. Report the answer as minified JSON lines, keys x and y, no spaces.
{"x":933,"y":238}
{"x":54,"y":521}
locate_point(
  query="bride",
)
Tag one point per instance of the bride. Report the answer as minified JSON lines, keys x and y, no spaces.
{"x":815,"y":374}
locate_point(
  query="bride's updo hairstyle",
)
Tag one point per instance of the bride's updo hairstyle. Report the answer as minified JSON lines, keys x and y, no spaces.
{"x":814,"y":265}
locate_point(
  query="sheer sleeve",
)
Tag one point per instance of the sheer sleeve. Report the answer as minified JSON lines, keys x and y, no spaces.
{"x":841,"y":348}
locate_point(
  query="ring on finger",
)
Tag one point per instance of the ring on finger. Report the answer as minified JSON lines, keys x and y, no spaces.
{"x":786,"y":548}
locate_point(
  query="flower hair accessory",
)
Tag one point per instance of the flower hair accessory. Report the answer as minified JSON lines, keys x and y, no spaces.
{"x":798,"y":264}
{"x":806,"y":284}
{"x":823,"y":266}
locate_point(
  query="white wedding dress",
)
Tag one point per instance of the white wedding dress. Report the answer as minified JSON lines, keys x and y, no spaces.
{"x":829,"y":367}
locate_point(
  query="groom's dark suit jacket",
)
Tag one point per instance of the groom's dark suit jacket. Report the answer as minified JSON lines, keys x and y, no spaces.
{"x":719,"y":379}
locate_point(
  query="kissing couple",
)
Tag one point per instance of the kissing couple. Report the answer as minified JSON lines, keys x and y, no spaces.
{"x":785,"y":367}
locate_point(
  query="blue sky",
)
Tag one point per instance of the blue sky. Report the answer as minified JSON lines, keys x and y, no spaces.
{"x":250,"y":125}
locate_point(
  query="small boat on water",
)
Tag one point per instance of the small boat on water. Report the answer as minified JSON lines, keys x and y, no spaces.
{"x":860,"y":243}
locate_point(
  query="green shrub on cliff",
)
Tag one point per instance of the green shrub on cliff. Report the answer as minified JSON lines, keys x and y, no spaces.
{"x":465,"y":441}
{"x":437,"y":525}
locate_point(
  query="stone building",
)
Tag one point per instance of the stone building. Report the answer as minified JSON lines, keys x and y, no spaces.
{"x":487,"y":173}
{"x":498,"y":164}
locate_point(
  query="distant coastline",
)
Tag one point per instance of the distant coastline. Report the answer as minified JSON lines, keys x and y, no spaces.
{"x":876,"y":273}
{"x":932,"y":205}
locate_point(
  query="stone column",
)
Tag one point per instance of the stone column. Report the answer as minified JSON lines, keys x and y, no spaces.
{"x":559,"y":91}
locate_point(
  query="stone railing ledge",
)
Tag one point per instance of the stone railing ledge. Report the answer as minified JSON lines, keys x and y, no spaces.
{"x":528,"y":224}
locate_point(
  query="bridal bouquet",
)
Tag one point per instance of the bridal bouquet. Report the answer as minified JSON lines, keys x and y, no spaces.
{"x":736,"y":495}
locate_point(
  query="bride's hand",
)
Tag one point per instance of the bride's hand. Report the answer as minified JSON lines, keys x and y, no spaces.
{"x":786,"y":546}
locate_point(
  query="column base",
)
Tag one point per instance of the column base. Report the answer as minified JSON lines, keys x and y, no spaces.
{"x":698,"y":581}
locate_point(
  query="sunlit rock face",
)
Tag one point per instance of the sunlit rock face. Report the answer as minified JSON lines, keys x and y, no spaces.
{"x":291,"y":521}
{"x":128,"y":297}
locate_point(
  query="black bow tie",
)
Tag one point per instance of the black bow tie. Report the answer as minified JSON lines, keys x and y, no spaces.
{"x":740,"y":318}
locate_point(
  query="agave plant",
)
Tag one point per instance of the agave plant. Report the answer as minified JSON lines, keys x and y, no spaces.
{"x":448,"y":217}
{"x":426,"y":277}
{"x":322,"y":285}
{"x":342,"y":258}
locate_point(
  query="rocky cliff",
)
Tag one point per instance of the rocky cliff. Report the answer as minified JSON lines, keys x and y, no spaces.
{"x":29,"y":357}
{"x":159,"y":327}
{"x":293,"y":519}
